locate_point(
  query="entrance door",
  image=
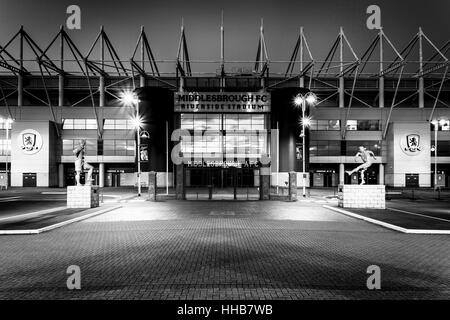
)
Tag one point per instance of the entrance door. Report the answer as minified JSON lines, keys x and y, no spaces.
{"x":412,"y":180}
{"x":29,"y":179}
{"x":221,"y":183}
{"x":115,"y":179}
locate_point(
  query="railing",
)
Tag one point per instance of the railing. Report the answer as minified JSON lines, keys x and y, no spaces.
{"x":215,"y":193}
{"x":438,"y":193}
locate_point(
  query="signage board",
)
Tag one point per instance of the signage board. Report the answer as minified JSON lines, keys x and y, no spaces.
{"x":222,"y":102}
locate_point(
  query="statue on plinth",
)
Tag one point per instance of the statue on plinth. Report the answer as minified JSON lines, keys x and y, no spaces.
{"x":80,"y":164}
{"x":366,"y":156}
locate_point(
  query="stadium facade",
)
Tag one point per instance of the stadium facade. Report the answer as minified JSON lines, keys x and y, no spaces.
{"x":394,"y":102}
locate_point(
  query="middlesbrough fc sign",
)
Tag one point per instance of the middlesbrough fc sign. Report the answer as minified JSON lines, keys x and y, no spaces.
{"x":222,"y":102}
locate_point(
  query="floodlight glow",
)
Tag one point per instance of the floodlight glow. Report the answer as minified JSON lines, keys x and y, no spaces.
{"x":137,"y":122}
{"x":128,"y":98}
{"x":306,"y":121}
{"x":311,"y":98}
{"x":298,"y":100}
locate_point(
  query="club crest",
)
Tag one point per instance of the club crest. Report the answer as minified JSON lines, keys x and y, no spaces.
{"x":30,"y":141}
{"x":411,"y":144}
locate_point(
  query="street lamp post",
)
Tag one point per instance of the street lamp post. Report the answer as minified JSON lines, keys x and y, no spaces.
{"x":301,"y":100}
{"x":436,"y":124}
{"x":7,"y":123}
{"x":129,"y":98}
{"x":138,"y":129}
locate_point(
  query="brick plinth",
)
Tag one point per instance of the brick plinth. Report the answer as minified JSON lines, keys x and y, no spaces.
{"x":82,"y":197}
{"x":362,"y":196}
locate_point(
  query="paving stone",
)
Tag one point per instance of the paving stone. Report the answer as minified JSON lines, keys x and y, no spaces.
{"x":266,"y":250}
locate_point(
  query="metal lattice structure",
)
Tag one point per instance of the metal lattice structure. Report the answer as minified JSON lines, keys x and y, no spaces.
{"x":59,"y":74}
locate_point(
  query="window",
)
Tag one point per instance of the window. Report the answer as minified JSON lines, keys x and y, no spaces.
{"x":5,"y":147}
{"x":118,"y":124}
{"x":243,"y":121}
{"x":119,"y":147}
{"x":70,"y":145}
{"x":363,"y":125}
{"x":325,"y":125}
{"x":324,"y":148}
{"x":352,"y":125}
{"x":201,"y":121}
{"x":443,"y":148}
{"x":352,"y":147}
{"x":444,"y":125}
{"x":3,"y":125}
{"x":252,"y":145}
{"x":79,"y":124}
{"x":248,"y":144}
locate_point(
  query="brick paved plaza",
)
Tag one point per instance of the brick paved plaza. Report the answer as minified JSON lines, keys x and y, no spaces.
{"x":224,"y":250}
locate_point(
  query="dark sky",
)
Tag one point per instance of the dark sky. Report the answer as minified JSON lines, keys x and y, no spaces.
{"x":282,"y":19}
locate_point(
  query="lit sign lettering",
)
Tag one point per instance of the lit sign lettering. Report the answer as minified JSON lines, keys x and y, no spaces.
{"x":222,"y":102}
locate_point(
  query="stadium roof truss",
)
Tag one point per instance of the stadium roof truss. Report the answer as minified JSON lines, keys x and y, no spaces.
{"x":342,"y":77}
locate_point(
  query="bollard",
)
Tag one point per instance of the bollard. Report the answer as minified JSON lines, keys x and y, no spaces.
{"x":180,"y":189}
{"x":152,"y":186}
{"x":264,"y":183}
{"x":292,"y":186}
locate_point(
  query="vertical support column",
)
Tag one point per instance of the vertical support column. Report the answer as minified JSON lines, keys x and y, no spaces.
{"x":20,"y":76}
{"x":421,"y":82}
{"x":20,"y":90}
{"x":292,"y":186}
{"x":381,"y":174}
{"x":61,"y":175}
{"x":421,"y":93}
{"x":381,"y":78}
{"x":222,"y":57}
{"x":341,"y":93}
{"x":101,"y":89}
{"x":341,"y":173}
{"x":341,"y":69}
{"x":180,"y":182}
{"x":181,"y":88}
{"x":60,"y":90}
{"x":101,"y":175}
{"x":381,"y":92}
{"x":264,"y":183}
{"x":261,"y":53}
{"x":152,"y":186}
{"x":142,"y":77}
{"x":302,"y":79}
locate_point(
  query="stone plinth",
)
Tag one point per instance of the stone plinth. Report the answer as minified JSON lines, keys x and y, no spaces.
{"x":82,"y":197}
{"x":362,"y":196}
